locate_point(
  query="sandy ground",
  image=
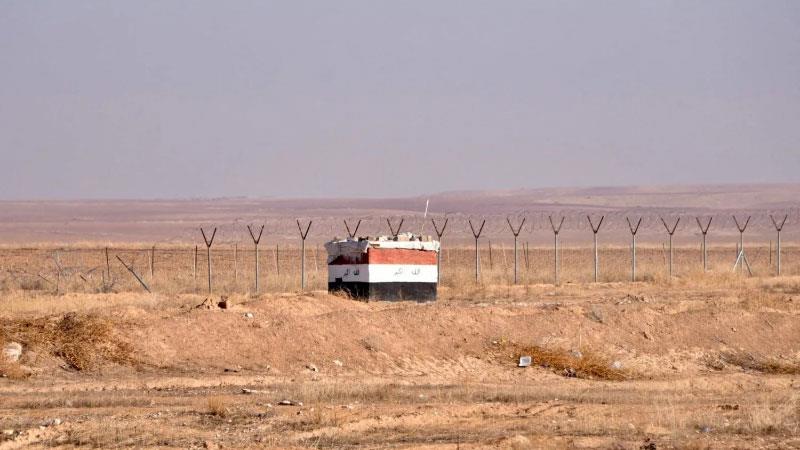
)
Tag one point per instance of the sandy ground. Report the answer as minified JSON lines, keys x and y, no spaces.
{"x":705,"y":367}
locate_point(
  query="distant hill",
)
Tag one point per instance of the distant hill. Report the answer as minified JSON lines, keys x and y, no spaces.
{"x":177,"y":221}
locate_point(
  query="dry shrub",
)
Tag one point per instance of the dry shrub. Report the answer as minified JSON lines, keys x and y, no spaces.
{"x":759,"y":363}
{"x":83,"y":342}
{"x":588,"y":364}
{"x":217,"y":407}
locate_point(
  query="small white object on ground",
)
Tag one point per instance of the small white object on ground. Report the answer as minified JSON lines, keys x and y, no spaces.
{"x":12,"y":351}
{"x":525,"y":361}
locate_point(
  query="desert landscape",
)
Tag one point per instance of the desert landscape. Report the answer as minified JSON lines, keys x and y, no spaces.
{"x":697,"y":360}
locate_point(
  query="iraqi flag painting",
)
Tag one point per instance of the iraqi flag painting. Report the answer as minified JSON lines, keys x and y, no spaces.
{"x":384,"y":268}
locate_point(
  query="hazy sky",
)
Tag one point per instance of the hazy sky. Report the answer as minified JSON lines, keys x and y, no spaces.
{"x":145,"y":99}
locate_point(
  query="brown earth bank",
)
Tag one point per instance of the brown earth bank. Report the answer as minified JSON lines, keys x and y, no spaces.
{"x":635,"y":365}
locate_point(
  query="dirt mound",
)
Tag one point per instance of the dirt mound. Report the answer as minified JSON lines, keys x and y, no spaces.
{"x":82,"y":342}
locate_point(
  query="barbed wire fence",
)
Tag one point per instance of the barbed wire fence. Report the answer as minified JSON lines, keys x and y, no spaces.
{"x":172,"y":265}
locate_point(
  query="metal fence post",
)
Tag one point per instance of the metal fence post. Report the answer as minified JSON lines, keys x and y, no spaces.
{"x":556,"y":230}
{"x":595,"y":229}
{"x":515,"y":232}
{"x":778,"y":228}
{"x":634,"y":230}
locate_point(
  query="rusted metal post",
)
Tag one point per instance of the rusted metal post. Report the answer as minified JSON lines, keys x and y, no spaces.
{"x":595,"y":229}
{"x":778,"y":228}
{"x":108,"y":267}
{"x":515,"y":232}
{"x":670,"y":231}
{"x":477,"y":235}
{"x":704,"y":230}
{"x":209,"y":242}
{"x":527,"y":264}
{"x":152,"y":262}
{"x":439,"y":234}
{"x":256,"y":240}
{"x":133,"y":272}
{"x":352,"y":234}
{"x":556,"y":230}
{"x":394,"y":231}
{"x":303,"y":253}
{"x":634,"y":230}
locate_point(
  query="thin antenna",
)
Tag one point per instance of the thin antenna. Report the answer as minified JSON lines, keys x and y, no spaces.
{"x":634,"y":230}
{"x":439,"y":234}
{"x":424,"y":216}
{"x":392,"y":229}
{"x":595,"y":229}
{"x":515,"y":232}
{"x":303,"y":252}
{"x":670,"y":231}
{"x":556,"y":230}
{"x":778,"y":228}
{"x":353,"y":233}
{"x":256,"y":240}
{"x":208,"y":253}
{"x":477,"y":235}
{"x":741,"y":258}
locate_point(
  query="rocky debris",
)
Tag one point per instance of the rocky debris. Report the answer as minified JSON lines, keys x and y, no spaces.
{"x":525,"y":361}
{"x":517,"y":442}
{"x":338,"y":363}
{"x":616,"y":365}
{"x":289,"y":403}
{"x":9,"y":432}
{"x":577,"y":354}
{"x":596,"y":315}
{"x":247,"y":391}
{"x":648,"y":444}
{"x":569,"y":372}
{"x":248,"y":315}
{"x":51,"y":423}
{"x":223,"y":302}
{"x":631,"y":298}
{"x":647,"y":335}
{"x":312,"y":368}
{"x":727,"y":407}
{"x":12,"y":351}
{"x":205,"y":304}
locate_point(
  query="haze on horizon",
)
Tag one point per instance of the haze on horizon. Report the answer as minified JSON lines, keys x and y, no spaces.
{"x":153,"y":99}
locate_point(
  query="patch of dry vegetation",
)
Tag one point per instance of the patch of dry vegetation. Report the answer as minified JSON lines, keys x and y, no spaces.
{"x":217,"y":407}
{"x":584,"y":364}
{"x":83,"y":342}
{"x":760,"y":363}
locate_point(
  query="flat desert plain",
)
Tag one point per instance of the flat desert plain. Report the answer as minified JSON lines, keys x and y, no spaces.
{"x":698,"y":360}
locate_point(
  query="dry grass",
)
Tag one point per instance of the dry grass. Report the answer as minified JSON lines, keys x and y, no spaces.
{"x":82,"y":342}
{"x":760,"y":363}
{"x":83,"y":268}
{"x":217,"y":407}
{"x":584,"y":364}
